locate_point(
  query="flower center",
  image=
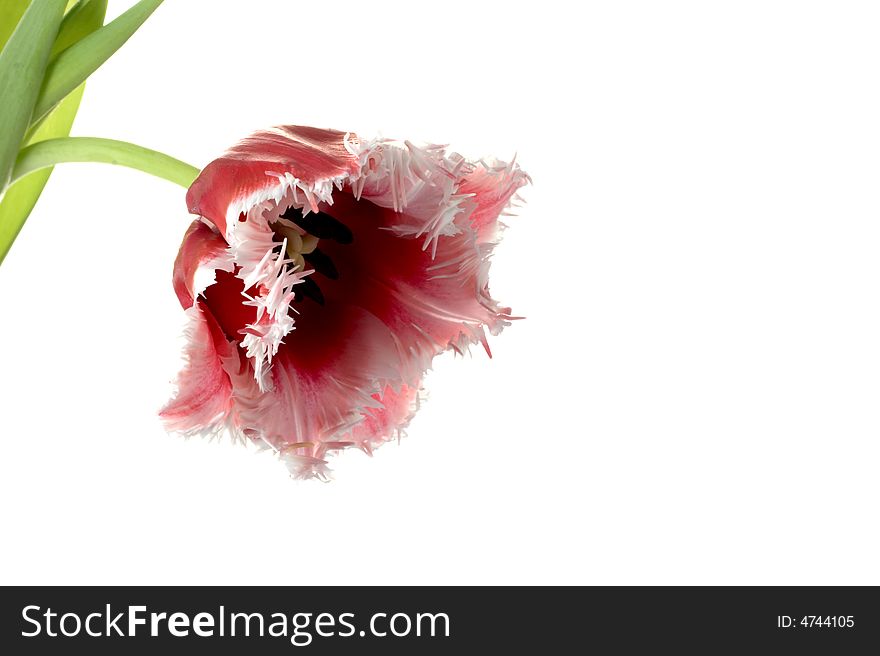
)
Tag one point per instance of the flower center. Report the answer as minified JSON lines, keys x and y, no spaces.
{"x":303,"y":233}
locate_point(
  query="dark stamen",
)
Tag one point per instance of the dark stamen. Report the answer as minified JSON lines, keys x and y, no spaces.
{"x":322,"y":225}
{"x":322,"y":263}
{"x":308,"y":288}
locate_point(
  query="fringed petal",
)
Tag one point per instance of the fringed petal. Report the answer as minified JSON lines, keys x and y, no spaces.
{"x":204,"y":390}
{"x":265,"y":269}
{"x":420,"y":184}
{"x":203,"y":250}
{"x":269,"y":163}
{"x":492,"y":187}
{"x":431,"y":301}
{"x":323,"y":381}
{"x":387,"y":421}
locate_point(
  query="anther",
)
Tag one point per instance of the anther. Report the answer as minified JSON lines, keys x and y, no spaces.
{"x":322,"y":225}
{"x":322,"y":263}
{"x":308,"y":288}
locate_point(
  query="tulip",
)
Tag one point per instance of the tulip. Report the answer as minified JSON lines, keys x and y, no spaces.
{"x":323,"y":275}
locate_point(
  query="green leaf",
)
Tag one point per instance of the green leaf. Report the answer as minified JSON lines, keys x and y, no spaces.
{"x":20,"y":198}
{"x":84,"y":17}
{"x":108,"y":151}
{"x":72,"y":66}
{"x":22,"y":64}
{"x":11,"y":12}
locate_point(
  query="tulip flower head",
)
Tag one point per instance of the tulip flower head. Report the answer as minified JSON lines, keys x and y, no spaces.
{"x":322,"y":277}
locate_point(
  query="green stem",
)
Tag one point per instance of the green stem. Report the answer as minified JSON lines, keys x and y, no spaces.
{"x":44,"y":154}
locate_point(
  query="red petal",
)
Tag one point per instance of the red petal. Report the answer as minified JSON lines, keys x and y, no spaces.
{"x":204,"y":391}
{"x":226,"y":302}
{"x":201,"y":244}
{"x":324,"y":374}
{"x":429,"y":303}
{"x":379,"y":424}
{"x":308,"y":154}
{"x":493,"y":188}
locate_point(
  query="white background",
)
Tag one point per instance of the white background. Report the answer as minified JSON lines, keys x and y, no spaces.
{"x":694,"y":395}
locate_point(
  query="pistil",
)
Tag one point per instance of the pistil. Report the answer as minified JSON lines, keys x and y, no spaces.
{"x":298,"y":243}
